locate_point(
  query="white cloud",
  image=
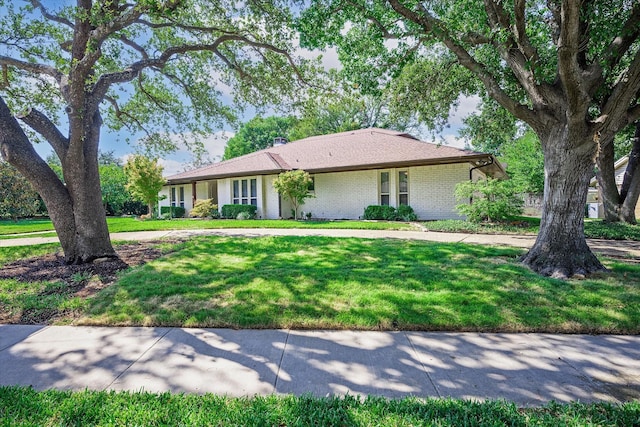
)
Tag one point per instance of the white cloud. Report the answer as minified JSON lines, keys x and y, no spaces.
{"x":466,"y":106}
{"x":452,"y":140}
{"x":171,"y":167}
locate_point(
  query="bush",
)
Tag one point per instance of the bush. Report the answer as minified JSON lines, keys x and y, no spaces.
{"x":232,"y":211}
{"x":244,"y":215}
{"x":205,"y":209}
{"x":380,"y":212}
{"x":172,"y":211}
{"x":406,"y":213}
{"x":493,"y":200}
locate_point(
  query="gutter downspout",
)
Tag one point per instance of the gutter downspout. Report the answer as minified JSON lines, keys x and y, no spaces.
{"x":478,"y":167}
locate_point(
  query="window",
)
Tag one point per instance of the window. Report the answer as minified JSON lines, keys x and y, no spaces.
{"x":245,"y":192}
{"x":403,"y":188}
{"x":254,"y":192}
{"x":236,"y":192}
{"x":384,"y":188}
{"x":173,"y":196}
{"x":181,"y":196}
{"x":312,"y":184}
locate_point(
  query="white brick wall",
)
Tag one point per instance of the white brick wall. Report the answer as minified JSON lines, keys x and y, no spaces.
{"x":431,"y":190}
{"x":345,"y":195}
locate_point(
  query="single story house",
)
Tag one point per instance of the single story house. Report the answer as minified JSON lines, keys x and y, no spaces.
{"x":594,"y":198}
{"x":350,"y":171}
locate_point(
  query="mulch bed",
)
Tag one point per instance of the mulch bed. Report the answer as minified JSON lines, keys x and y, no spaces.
{"x":76,"y":280}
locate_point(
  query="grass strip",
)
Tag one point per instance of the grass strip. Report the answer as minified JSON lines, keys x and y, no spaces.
{"x":27,"y":407}
{"x":347,"y":283}
{"x":126,"y":224}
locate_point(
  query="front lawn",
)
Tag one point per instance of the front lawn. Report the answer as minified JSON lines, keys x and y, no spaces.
{"x":8,"y":229}
{"x":321,"y":282}
{"x":595,"y":229}
{"x":25,"y":406}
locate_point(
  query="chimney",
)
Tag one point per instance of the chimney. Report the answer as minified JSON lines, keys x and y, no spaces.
{"x":280,"y":140}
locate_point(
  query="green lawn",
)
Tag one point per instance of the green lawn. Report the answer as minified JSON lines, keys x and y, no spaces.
{"x":24,"y":406}
{"x":596,"y":229}
{"x":8,"y":229}
{"x":320,"y":282}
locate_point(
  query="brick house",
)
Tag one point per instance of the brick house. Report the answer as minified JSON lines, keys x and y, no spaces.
{"x":350,"y":170}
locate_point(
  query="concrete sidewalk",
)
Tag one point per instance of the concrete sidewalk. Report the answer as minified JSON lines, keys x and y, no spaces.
{"x":615,"y":248}
{"x":529,"y":369}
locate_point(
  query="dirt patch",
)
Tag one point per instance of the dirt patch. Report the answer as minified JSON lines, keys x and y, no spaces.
{"x":73,"y":280}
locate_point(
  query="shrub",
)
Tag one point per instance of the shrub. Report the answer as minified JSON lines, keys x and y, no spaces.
{"x":380,"y":212}
{"x":232,"y":211}
{"x":172,"y":211}
{"x":406,"y":213}
{"x":205,"y":209}
{"x":244,"y":215}
{"x":492,"y":200}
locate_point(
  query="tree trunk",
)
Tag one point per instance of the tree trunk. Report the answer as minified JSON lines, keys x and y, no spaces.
{"x":76,"y":208}
{"x":606,"y":177}
{"x":561,"y":249}
{"x":619,"y":204}
{"x":630,"y":189}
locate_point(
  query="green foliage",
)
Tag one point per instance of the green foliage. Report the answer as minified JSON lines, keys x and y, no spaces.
{"x":233,"y":211}
{"x":27,"y":406}
{"x":379,"y":212}
{"x":257,"y":134}
{"x":492,"y":200}
{"x":389,"y":213}
{"x":17,"y":198}
{"x":113,"y":182}
{"x":346,"y":110}
{"x":406,"y":213}
{"x":172,"y":211}
{"x":525,"y":163}
{"x":144,"y":177}
{"x":204,"y":208}
{"x":490,"y":129}
{"x":350,"y":283}
{"x":294,"y":185}
{"x":179,"y":97}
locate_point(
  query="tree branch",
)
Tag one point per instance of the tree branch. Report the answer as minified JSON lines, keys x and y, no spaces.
{"x":106,"y":80}
{"x":126,"y":114}
{"x":37,"y":121}
{"x":621,"y":44}
{"x":434,"y":27}
{"x":623,"y":94}
{"x":32,"y":67}
{"x":135,"y":46}
{"x":568,"y":49}
{"x":50,"y":16}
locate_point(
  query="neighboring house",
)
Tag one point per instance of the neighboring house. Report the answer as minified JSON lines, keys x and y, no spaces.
{"x":350,"y":171}
{"x":594,"y":198}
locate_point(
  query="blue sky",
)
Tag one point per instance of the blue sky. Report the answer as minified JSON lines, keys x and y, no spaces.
{"x":177,"y":161}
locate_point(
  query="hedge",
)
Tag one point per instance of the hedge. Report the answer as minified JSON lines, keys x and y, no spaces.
{"x":175,"y":211}
{"x":389,"y":213}
{"x":380,"y":212}
{"x":232,"y":211}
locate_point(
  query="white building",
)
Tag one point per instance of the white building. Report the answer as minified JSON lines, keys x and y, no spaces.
{"x":351,"y":170}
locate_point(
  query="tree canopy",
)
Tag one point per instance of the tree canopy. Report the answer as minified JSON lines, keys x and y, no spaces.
{"x":258,"y":134}
{"x":569,"y":69}
{"x":144,"y":179}
{"x":161,"y":67}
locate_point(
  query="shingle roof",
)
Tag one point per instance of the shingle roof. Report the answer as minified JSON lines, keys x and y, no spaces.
{"x":353,"y":150}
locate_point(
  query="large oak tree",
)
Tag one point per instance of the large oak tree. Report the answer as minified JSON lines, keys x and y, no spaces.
{"x":570,"y":69}
{"x":145,"y":64}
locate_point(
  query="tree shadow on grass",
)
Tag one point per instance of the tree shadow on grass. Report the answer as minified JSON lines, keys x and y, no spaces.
{"x":320,"y":282}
